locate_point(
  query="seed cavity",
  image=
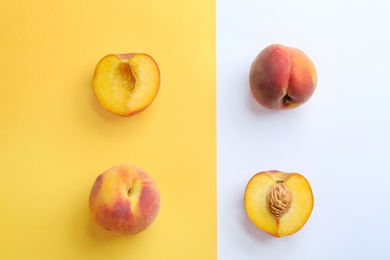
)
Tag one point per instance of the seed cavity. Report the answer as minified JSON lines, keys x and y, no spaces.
{"x":124,"y":79}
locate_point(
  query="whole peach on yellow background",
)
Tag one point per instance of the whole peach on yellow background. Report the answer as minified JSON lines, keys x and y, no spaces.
{"x":124,"y":200}
{"x":282,"y":77}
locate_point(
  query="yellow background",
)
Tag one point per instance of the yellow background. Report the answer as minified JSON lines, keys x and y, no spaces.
{"x":56,"y":138}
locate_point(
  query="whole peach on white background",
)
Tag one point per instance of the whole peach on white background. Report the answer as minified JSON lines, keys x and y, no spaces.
{"x":282,"y":77}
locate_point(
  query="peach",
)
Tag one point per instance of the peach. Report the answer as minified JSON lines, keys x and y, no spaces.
{"x":282,"y":77}
{"x":126,"y":84}
{"x":278,"y":203}
{"x":124,"y":200}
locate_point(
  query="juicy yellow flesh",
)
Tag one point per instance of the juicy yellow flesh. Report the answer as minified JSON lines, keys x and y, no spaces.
{"x":257,"y":208}
{"x":126,"y":87}
{"x":256,"y":204}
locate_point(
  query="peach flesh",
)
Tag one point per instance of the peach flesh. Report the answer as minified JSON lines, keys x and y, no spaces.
{"x":258,"y":208}
{"x":126,"y":84}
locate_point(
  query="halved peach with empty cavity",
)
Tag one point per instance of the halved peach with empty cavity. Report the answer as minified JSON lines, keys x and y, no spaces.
{"x":126,"y":84}
{"x":279,"y":203}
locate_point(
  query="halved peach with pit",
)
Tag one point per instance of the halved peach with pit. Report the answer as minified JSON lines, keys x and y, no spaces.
{"x":279,"y":203}
{"x":126,"y":84}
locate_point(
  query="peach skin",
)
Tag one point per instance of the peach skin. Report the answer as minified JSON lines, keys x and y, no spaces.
{"x":124,"y":200}
{"x":282,"y":77}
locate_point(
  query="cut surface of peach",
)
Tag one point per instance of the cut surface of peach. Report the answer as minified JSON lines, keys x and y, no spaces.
{"x":126,"y":84}
{"x":279,"y":203}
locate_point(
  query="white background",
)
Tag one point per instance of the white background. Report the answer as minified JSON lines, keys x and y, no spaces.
{"x":339,"y":140}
